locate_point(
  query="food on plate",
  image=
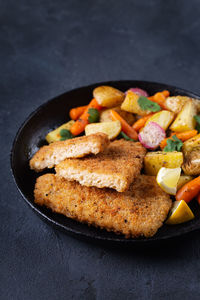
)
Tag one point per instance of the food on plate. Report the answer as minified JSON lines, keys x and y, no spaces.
{"x":183,"y":180}
{"x":180,"y":213}
{"x":151,"y":135}
{"x":138,"y":212}
{"x":176,"y":103}
{"x":189,"y":190}
{"x":106,"y":117}
{"x":56,"y":134}
{"x":185,"y":118}
{"x":191,"y":164}
{"x":108,"y":96}
{"x":162,"y":118}
{"x":153,"y":161}
{"x":99,"y":162}
{"x":112,"y":129}
{"x":168,"y":179}
{"x":126,"y":128}
{"x":51,"y":155}
{"x":116,"y":167}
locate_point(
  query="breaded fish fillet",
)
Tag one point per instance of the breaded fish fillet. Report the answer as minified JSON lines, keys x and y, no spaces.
{"x":115,"y":168}
{"x":51,"y":155}
{"x":138,"y":212}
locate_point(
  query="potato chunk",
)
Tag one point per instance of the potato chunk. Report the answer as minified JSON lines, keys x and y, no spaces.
{"x":185,"y":119}
{"x":54,"y":136}
{"x":108,"y":96}
{"x":112,"y":129}
{"x":153,"y":161}
{"x":191,"y":144}
{"x":176,"y":103}
{"x":128,"y":117}
{"x":162,"y":118}
{"x":130,"y":104}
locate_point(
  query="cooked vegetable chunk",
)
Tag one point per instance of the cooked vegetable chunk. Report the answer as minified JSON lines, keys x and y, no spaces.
{"x":106,"y":117}
{"x":162,"y":118}
{"x":151,"y":135}
{"x":191,"y":164}
{"x":54,"y":136}
{"x":183,"y":180}
{"x":112,"y":129}
{"x":130,"y":104}
{"x":153,"y":161}
{"x":191,"y":144}
{"x":185,"y":119}
{"x":108,"y":96}
{"x":176,"y":103}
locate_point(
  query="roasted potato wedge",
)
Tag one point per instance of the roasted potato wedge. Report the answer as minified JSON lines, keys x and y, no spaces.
{"x":105,"y":115}
{"x":54,"y":136}
{"x":153,"y":161}
{"x":176,"y":103}
{"x":130,"y":104}
{"x":185,"y":119}
{"x":191,"y":144}
{"x":191,"y":164}
{"x":108,"y":96}
{"x":112,"y":129}
{"x":183,"y":180}
{"x":162,"y":118}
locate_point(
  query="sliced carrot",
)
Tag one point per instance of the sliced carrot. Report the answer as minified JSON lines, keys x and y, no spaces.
{"x":189,"y":190}
{"x":141,"y":122}
{"x":126,"y":128}
{"x":79,"y":125}
{"x":76,"y":112}
{"x":183,"y":136}
{"x":166,"y":93}
{"x":160,"y":98}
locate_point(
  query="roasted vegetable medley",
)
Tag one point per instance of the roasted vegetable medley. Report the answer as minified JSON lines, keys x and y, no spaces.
{"x":167,"y":126}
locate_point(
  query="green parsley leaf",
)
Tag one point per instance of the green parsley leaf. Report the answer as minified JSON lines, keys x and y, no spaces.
{"x":65,"y":135}
{"x":146,"y":104}
{"x":124,"y":136}
{"x":173,"y":144}
{"x":93,"y":115}
{"x":197,"y":119}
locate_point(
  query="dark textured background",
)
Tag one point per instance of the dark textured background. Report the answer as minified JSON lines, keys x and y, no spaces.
{"x":46,"y":48}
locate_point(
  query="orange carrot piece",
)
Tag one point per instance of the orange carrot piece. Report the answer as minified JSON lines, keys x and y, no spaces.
{"x":141,"y":122}
{"x":189,"y":190}
{"x":126,"y":128}
{"x":166,"y":93}
{"x":79,"y":125}
{"x":183,"y":136}
{"x":76,"y":112}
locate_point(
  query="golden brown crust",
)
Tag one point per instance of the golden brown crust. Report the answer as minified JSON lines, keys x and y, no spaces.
{"x":116,"y":167}
{"x":49,"y":156}
{"x":138,"y":212}
{"x":191,"y":164}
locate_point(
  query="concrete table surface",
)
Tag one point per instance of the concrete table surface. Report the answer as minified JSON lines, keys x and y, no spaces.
{"x":47,"y":48}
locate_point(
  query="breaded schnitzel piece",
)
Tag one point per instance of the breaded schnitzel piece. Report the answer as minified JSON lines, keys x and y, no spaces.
{"x":138,"y":212}
{"x":115,"y":168}
{"x":51,"y":155}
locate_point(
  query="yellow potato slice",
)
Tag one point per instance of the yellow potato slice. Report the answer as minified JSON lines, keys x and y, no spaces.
{"x":153,"y":161}
{"x":191,"y":144}
{"x":183,"y":180}
{"x":54,"y":136}
{"x":162,"y":118}
{"x":130,"y":104}
{"x":112,"y":129}
{"x":185,"y":119}
{"x":108,"y":96}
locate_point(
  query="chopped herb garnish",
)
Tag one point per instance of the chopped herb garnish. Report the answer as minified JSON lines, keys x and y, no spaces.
{"x":124,"y":136}
{"x":93,"y":115}
{"x":146,"y":104}
{"x":197,"y":119}
{"x":173,"y":144}
{"x":65,"y":135}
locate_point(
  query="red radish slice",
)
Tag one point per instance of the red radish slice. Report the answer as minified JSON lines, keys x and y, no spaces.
{"x":151,"y":135}
{"x":138,"y":91}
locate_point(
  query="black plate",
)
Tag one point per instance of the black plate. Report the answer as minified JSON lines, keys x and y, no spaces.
{"x":52,"y":114}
